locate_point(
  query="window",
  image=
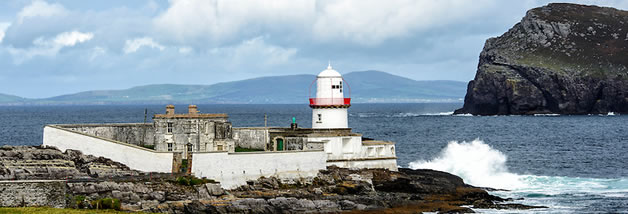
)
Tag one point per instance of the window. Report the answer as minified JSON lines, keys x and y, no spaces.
{"x":190,"y":148}
{"x":320,"y":118}
{"x":169,"y":128}
{"x":170,"y":147}
{"x":219,"y":148}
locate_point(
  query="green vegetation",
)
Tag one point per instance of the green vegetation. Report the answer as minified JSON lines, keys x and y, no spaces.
{"x":240,"y":149}
{"x":48,"y":210}
{"x":149,"y":146}
{"x":106,"y":203}
{"x":79,"y":201}
{"x":192,"y":181}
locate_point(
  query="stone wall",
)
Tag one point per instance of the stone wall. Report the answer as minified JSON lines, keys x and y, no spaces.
{"x":251,"y":138}
{"x":134,"y":157}
{"x":132,"y":133}
{"x":32,"y":193}
{"x":234,"y":169}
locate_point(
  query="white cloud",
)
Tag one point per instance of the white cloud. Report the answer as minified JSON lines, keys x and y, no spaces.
{"x":72,"y":38}
{"x":40,"y":8}
{"x":369,"y":22}
{"x":96,"y":52}
{"x":185,"y":50}
{"x":216,"y":20}
{"x":133,"y":45}
{"x":49,"y":47}
{"x":3,"y":28}
{"x":254,"y":51}
{"x":363,"y":22}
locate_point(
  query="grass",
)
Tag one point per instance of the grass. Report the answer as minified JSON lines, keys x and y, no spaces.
{"x":192,"y":181}
{"x":240,"y":149}
{"x":48,"y":210}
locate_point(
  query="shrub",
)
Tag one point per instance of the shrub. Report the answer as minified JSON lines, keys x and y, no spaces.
{"x":192,"y":181}
{"x":106,"y":203}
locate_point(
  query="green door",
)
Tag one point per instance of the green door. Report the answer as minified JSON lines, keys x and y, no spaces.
{"x":280,"y":144}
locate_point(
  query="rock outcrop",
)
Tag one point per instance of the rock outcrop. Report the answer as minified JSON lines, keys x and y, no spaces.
{"x":561,"y":58}
{"x":89,"y":179}
{"x":33,"y":163}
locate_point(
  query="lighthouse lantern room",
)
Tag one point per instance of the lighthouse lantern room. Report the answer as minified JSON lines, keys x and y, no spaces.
{"x":329,"y":108}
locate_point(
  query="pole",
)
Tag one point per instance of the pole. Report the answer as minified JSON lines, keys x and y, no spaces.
{"x":265,"y":120}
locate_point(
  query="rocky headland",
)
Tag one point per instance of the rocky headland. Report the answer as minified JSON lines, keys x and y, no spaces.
{"x":560,"y":59}
{"x":90,"y":179}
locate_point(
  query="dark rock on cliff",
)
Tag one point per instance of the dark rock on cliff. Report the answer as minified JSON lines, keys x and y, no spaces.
{"x":561,"y":58}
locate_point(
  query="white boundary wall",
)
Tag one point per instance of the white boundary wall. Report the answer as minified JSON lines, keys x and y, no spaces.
{"x":234,"y":169}
{"x":133,"y":156}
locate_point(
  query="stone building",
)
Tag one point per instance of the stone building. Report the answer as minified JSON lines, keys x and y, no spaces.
{"x":192,"y":132}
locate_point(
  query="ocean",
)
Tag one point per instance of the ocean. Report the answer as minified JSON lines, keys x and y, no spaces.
{"x":572,"y":164}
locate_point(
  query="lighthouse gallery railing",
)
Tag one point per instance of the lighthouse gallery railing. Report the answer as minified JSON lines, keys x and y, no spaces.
{"x":329,"y":101}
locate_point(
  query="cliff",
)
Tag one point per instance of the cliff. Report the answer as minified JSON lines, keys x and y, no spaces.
{"x":561,"y":58}
{"x":89,"y":179}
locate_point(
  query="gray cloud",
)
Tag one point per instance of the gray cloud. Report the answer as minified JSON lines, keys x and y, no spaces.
{"x":204,"y":42}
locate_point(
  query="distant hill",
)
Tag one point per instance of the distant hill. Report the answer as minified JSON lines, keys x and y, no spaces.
{"x":366,"y":86}
{"x":5,"y":98}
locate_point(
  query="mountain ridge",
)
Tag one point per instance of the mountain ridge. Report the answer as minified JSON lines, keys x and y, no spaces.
{"x":368,"y":86}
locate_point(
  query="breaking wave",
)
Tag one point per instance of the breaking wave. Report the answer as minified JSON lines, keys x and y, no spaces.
{"x":481,"y":165}
{"x":476,"y":162}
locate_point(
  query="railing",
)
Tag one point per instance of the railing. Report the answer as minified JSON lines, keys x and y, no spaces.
{"x":329,"y":101}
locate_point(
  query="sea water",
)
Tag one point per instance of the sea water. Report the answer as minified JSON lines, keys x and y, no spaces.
{"x":572,"y":164}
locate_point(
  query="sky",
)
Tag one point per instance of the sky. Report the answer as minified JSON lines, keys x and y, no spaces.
{"x":55,"y":47}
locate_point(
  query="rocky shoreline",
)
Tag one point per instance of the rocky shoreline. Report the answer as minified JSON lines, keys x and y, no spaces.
{"x":89,"y":178}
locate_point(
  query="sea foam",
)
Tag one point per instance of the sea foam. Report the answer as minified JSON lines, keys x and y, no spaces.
{"x":476,"y":162}
{"x":481,"y":165}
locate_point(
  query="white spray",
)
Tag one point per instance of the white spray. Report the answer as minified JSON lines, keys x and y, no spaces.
{"x":475,"y":162}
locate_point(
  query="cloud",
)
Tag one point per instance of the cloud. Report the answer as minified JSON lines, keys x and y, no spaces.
{"x":219,"y":21}
{"x":218,"y":40}
{"x":362,"y":22}
{"x":96,"y":52}
{"x":185,"y":50}
{"x":49,"y":47}
{"x":40,"y":8}
{"x":133,"y":45}
{"x":254,"y":51}
{"x":3,"y":29}
{"x":370,"y":22}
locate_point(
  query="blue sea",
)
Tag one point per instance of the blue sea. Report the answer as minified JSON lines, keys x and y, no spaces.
{"x":572,"y":164}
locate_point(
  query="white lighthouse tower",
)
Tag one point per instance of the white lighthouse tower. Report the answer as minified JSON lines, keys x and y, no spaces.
{"x":329,"y":108}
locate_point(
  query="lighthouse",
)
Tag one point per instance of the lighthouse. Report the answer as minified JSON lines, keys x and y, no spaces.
{"x":329,"y":107}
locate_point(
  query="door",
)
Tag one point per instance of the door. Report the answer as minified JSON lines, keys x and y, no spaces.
{"x":279,"y":144}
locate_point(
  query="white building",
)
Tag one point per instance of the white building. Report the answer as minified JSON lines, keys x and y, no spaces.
{"x":207,"y":146}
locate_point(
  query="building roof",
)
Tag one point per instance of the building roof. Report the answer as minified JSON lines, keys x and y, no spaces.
{"x":329,"y":72}
{"x":190,"y":116}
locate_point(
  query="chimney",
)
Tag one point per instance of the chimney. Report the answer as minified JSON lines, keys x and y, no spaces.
{"x":170,"y":110}
{"x":192,"y":110}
